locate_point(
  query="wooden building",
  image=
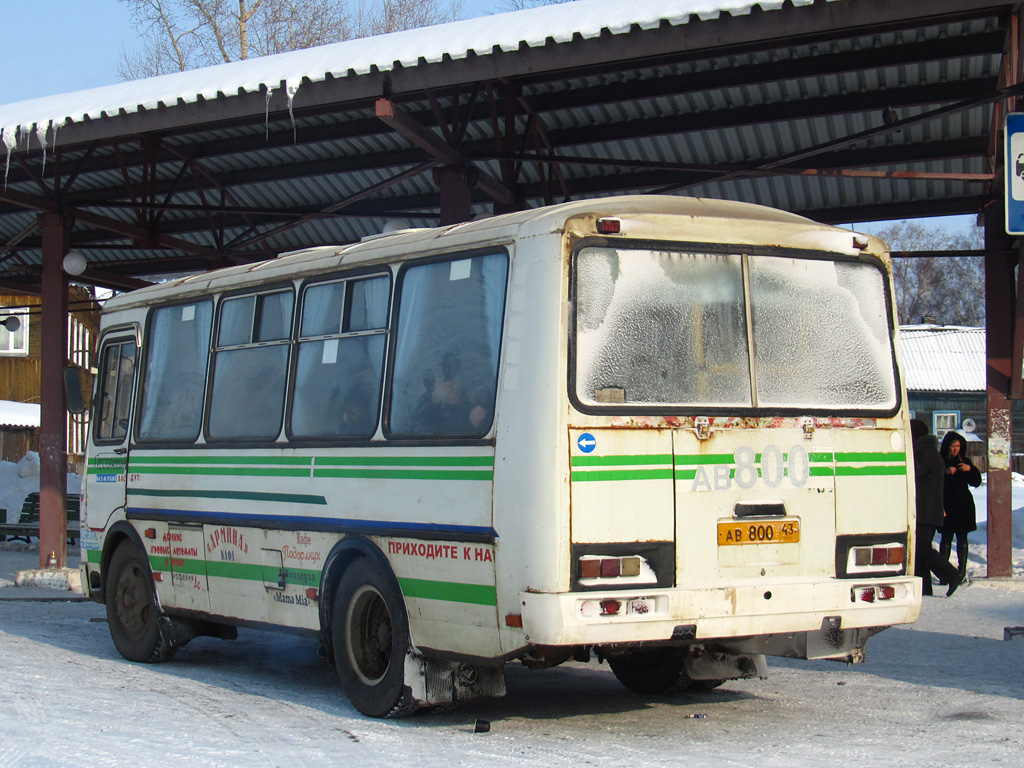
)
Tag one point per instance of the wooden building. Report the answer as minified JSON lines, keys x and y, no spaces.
{"x":944,"y":367}
{"x":20,"y":359}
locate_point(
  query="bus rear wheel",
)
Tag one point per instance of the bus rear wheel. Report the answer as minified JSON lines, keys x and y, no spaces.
{"x":657,"y":671}
{"x":132,"y":611}
{"x":370,"y":637}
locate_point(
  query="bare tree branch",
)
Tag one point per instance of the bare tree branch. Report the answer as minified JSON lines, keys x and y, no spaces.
{"x":177,"y":35}
{"x":947,"y":290}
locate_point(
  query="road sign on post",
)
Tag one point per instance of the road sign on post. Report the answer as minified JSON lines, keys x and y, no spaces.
{"x":1014,"y":160}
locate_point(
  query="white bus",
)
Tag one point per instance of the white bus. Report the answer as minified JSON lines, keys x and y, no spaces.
{"x":666,"y":432}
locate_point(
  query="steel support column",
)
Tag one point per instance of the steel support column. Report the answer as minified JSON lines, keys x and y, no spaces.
{"x":999,"y":314}
{"x":456,"y":192}
{"x":56,"y":229}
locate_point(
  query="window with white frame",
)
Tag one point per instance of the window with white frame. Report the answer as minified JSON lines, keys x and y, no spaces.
{"x":14,"y":332}
{"x":944,"y":421}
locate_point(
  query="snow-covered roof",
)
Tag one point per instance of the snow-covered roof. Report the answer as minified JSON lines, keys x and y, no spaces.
{"x":942,"y":358}
{"x":18,"y":414}
{"x":779,"y":103}
{"x":42,"y":118}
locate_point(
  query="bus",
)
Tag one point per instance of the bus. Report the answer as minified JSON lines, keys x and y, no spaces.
{"x":663,"y":432}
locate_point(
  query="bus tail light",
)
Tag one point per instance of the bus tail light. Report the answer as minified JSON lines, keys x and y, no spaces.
{"x":634,"y":607}
{"x":610,"y":607}
{"x":870,"y":558}
{"x":888,"y":555}
{"x":884,"y":592}
{"x":598,"y":567}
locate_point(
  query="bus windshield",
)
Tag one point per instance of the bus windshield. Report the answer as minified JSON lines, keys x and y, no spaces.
{"x":689,"y":329}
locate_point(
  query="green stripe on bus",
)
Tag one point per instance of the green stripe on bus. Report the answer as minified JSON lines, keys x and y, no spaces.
{"x":108,"y":462}
{"x":621,"y":461}
{"x":187,"y":565}
{"x":283,"y":498}
{"x":405,"y":461}
{"x":728,"y":458}
{"x":863,"y":471}
{"x":222,"y":471}
{"x":704,"y":458}
{"x":93,"y":556}
{"x":268,"y":574}
{"x":197,"y":459}
{"x":622,"y":474}
{"x":453,"y":592}
{"x":408,"y":474}
{"x":854,"y":458}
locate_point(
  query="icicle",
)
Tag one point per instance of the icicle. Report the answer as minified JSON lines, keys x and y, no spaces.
{"x":41,"y":138}
{"x":292,"y":90}
{"x":266,"y":113}
{"x":5,"y":136}
{"x":56,"y":126}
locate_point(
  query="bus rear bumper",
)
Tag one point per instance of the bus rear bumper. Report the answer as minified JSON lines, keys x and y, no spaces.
{"x":822,"y":619}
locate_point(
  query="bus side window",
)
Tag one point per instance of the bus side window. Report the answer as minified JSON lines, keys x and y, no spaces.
{"x":250,"y":366}
{"x":174,"y":379}
{"x":115,"y":392}
{"x":340,"y":361}
{"x":446,"y":347}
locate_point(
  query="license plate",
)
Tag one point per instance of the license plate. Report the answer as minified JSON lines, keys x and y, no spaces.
{"x":759,"y":532}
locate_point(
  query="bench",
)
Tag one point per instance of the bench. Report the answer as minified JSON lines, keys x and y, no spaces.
{"x":28,"y":522}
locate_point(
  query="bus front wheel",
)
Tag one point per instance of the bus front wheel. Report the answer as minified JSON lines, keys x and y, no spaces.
{"x":132,"y":611}
{"x":657,"y":671}
{"x":370,"y":637}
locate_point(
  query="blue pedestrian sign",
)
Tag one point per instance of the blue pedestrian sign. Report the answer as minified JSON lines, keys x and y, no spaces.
{"x":1014,"y":194}
{"x":587,"y":442}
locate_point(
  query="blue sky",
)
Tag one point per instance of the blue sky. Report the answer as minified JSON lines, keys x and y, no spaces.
{"x":60,"y":46}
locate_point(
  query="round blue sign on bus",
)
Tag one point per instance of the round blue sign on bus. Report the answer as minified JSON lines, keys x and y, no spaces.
{"x":587,"y":442}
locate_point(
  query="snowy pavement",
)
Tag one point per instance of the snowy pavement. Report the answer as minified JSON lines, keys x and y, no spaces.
{"x":948,"y":691}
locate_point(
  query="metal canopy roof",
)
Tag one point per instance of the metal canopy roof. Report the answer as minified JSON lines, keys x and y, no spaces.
{"x":939,"y":358}
{"x":840,"y":110}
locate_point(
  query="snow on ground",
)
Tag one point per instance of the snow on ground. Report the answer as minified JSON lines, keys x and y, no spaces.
{"x":978,"y":540}
{"x":947,"y":691}
{"x":19,"y":480}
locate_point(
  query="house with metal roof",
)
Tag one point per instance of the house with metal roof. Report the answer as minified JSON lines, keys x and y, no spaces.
{"x":944,"y":369}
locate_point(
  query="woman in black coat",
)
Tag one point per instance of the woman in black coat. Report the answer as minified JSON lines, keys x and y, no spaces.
{"x":957,"y":498}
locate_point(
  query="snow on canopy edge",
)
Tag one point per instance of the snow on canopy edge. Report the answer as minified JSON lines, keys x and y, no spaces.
{"x":534,"y":27}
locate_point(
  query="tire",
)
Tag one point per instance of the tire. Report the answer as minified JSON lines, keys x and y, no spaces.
{"x":657,"y":671}
{"x":132,"y":611}
{"x":370,"y":637}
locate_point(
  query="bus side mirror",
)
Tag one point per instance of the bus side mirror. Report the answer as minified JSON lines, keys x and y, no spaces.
{"x":73,"y":390}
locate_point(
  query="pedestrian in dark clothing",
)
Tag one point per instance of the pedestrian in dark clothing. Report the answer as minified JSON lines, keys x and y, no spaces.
{"x":929,"y":470}
{"x":957,"y":498}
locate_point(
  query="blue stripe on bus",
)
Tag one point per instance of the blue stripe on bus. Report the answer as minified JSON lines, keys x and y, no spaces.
{"x":320,"y":524}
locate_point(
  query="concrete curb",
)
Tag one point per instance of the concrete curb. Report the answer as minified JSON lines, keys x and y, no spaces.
{"x":1015,"y":584}
{"x":68,"y":579}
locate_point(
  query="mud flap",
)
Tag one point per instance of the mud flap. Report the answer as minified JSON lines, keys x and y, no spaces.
{"x":833,"y":642}
{"x":726,"y":666}
{"x":433,"y":682}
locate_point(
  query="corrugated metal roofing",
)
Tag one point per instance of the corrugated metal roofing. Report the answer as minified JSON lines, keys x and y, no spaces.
{"x":18,"y":414}
{"x":943,"y":358}
{"x":478,"y":37}
{"x":779,"y":103}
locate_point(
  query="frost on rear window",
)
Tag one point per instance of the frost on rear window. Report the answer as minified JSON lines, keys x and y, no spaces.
{"x":665,"y":328}
{"x":660,"y":328}
{"x":821,"y":334}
